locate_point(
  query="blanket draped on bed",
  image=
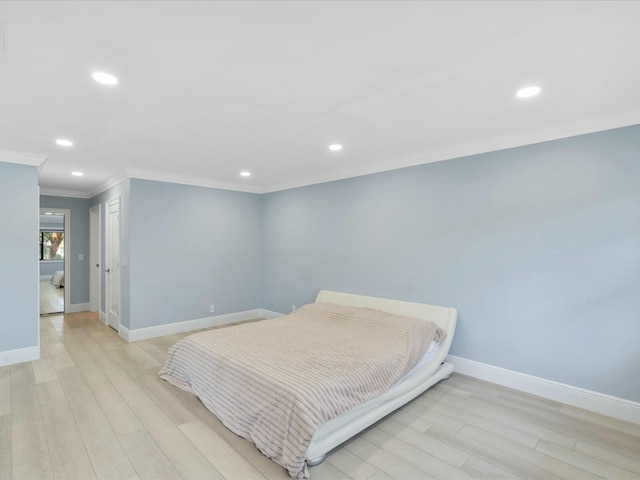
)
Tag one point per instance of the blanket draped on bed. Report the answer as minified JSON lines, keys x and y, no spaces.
{"x":276,"y":382}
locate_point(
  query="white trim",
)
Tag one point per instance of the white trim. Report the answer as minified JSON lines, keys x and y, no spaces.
{"x":20,"y":355}
{"x":95,"y":257}
{"x":102,"y":317}
{"x":128,"y":173}
{"x":125,"y":333}
{"x":37,"y":259}
{"x":52,"y":192}
{"x":183,"y":180}
{"x":269,"y":314}
{"x":77,"y":307}
{"x":68,"y":239}
{"x":578,"y":397}
{"x":582,"y":127}
{"x":110,"y":182}
{"x":187,"y":326}
{"x":108,"y":249}
{"x":23,"y":158}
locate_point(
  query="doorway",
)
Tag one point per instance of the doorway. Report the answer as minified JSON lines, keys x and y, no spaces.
{"x":54,"y":253}
{"x":112,"y":263}
{"x":95,"y":279}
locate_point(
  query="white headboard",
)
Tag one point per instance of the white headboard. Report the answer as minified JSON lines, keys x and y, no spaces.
{"x":444,"y":317}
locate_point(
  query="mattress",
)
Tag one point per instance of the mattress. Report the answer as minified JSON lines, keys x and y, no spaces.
{"x":344,"y":427}
{"x":57,"y":279}
{"x":327,"y":360}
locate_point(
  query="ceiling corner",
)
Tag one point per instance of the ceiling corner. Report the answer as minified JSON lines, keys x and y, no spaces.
{"x":23,"y":158}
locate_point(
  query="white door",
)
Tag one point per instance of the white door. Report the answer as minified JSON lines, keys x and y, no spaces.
{"x":112,"y":264}
{"x":95,"y":216}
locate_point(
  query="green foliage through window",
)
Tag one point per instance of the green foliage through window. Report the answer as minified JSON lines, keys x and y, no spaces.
{"x":51,"y":245}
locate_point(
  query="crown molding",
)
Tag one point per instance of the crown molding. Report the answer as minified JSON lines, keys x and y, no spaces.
{"x":129,"y":173}
{"x":53,"y":192}
{"x":183,"y":180}
{"x":110,"y":182}
{"x":583,"y":127}
{"x":23,"y":158}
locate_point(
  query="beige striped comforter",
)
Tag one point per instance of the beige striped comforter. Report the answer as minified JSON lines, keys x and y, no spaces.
{"x":276,"y":382}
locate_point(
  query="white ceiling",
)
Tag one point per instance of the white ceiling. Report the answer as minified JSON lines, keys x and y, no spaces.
{"x":209,"y":88}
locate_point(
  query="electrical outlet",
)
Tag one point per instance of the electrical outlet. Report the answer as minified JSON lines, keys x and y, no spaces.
{"x":293,"y":308}
{"x":212,"y":308}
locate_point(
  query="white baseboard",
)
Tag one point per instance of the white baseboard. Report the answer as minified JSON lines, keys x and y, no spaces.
{"x":102,"y":316}
{"x":125,"y":333}
{"x":187,"y":326}
{"x":77,"y":307}
{"x":20,"y":355}
{"x":270,"y":315}
{"x":578,"y":397}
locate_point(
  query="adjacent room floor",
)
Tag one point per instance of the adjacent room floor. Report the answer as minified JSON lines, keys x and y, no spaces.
{"x":51,"y":298}
{"x":93,"y":407}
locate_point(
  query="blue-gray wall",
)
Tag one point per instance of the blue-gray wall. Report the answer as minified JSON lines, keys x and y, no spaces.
{"x":50,"y":227}
{"x":77,"y":244}
{"x":192,"y":247}
{"x":18,"y":241}
{"x":538,"y":247}
{"x":51,"y":266}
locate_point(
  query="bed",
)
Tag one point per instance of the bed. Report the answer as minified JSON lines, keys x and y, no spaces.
{"x":57,"y":279}
{"x":301,"y":385}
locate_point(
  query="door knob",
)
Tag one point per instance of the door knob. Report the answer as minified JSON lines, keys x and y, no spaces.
{"x":108,"y":270}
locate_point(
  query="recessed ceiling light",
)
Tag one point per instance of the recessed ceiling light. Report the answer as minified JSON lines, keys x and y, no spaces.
{"x":245,"y":173}
{"x":527,"y":92}
{"x":63,"y":142}
{"x":104,"y":78}
{"x":335,"y":147}
{"x":77,"y":174}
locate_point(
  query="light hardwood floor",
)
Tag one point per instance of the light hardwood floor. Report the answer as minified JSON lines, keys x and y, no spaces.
{"x":51,"y":298}
{"x":93,"y":407}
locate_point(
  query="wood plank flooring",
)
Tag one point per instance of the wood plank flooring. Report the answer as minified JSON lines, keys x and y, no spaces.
{"x":93,"y":407}
{"x":51,"y":298}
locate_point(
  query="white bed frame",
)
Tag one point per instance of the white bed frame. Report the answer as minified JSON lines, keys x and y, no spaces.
{"x":344,"y":427}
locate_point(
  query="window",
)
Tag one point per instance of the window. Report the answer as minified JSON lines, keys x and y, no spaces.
{"x":51,"y":245}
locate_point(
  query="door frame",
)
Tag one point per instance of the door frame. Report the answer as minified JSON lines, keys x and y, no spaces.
{"x":107,"y":250}
{"x":95,"y":259}
{"x":67,"y":251}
